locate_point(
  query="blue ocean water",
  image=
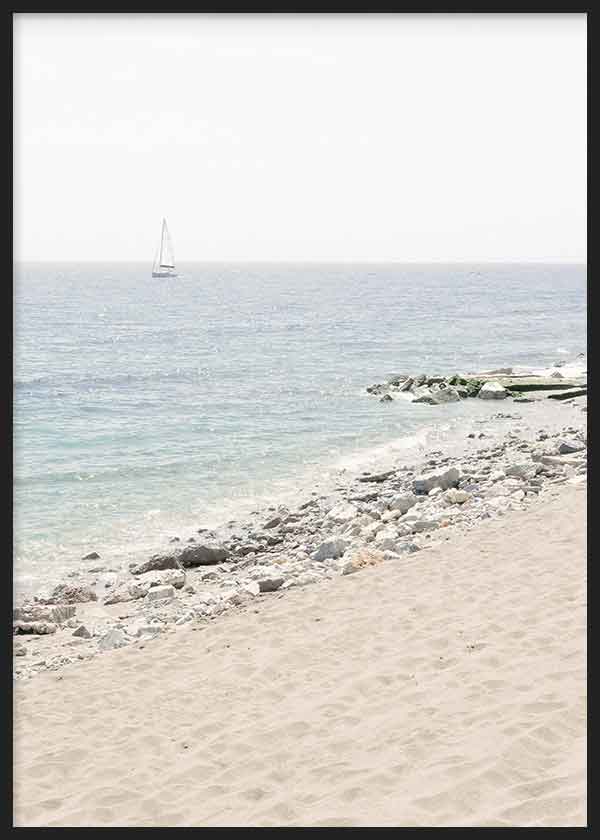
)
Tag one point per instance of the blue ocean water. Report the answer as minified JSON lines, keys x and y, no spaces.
{"x":145,"y":406}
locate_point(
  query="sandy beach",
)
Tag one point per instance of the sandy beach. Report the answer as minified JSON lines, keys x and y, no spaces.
{"x":299,"y":421}
{"x":444,"y":688}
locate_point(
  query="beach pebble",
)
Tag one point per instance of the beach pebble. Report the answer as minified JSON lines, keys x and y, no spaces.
{"x":82,"y":632}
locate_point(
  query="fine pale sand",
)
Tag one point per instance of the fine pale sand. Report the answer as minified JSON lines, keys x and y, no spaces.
{"x":448,"y":688}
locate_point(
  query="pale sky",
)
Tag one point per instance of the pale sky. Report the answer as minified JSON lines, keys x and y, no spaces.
{"x":353,"y":138}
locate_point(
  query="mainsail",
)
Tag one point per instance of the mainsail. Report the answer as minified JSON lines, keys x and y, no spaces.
{"x":164,"y":264}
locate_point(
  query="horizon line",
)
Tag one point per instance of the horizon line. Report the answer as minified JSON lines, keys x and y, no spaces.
{"x":254,"y":261}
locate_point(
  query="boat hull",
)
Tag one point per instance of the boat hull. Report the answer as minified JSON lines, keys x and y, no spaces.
{"x":163,"y":274}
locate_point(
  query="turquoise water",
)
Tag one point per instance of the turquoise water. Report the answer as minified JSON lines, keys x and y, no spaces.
{"x":142,"y":406}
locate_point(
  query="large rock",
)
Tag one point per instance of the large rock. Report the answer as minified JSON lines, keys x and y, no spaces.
{"x":445,"y":395}
{"x":160,"y":593}
{"x":492,"y":391}
{"x":39,"y":628}
{"x":386,"y":539}
{"x":330,"y":549}
{"x":156,"y":563}
{"x":202,"y":555}
{"x":443,"y":478}
{"x":424,"y":395}
{"x":403,"y":502}
{"x":270,"y":582}
{"x":567,"y":445}
{"x":115,"y":638}
{"x":128,"y":592}
{"x":525,"y":471}
{"x":35,"y":612}
{"x":66,"y":593}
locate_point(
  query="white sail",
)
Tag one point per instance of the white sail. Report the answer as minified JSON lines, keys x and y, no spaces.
{"x":164,"y":263}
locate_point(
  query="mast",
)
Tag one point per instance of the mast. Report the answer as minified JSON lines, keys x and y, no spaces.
{"x":165,"y":242}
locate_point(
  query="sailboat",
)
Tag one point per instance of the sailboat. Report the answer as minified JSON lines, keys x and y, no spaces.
{"x":164,"y":262}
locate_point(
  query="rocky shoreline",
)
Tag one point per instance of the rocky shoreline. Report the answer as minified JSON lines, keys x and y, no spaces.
{"x":492,"y":385}
{"x":372,"y":518}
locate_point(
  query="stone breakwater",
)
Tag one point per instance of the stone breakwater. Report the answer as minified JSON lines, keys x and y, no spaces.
{"x":371,"y":518}
{"x":492,"y":385}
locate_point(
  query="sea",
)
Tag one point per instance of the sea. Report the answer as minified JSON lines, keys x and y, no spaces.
{"x":149,"y":408}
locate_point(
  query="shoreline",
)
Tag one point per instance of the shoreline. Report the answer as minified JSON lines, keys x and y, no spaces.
{"x":311,"y":542}
{"x":420,"y":428}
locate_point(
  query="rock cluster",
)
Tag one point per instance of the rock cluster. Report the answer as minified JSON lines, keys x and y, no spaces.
{"x":492,"y":385}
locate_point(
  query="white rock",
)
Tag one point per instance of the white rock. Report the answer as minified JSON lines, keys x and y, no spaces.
{"x":160,"y":593}
{"x":435,"y":491}
{"x":497,"y":475}
{"x":269,"y":584}
{"x":368,"y":533}
{"x":173,"y":577}
{"x":492,"y":391}
{"x":342,"y":513}
{"x":391,"y":515}
{"x":456,"y":497}
{"x":252,"y":588}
